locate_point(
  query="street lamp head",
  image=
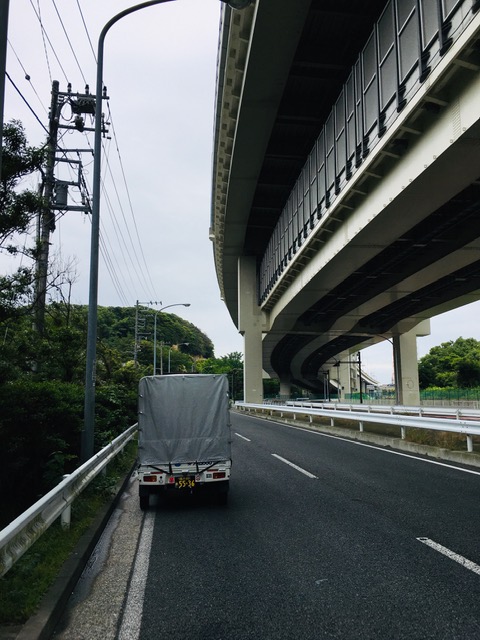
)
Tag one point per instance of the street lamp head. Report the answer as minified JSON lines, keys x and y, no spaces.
{"x":238,"y":4}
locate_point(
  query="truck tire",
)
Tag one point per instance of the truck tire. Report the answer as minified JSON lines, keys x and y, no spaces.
{"x":144,"y":502}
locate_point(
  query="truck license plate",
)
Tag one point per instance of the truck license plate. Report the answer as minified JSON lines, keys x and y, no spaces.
{"x":184,"y":483}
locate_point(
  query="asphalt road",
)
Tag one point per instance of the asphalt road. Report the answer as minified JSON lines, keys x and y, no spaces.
{"x":351,"y":542}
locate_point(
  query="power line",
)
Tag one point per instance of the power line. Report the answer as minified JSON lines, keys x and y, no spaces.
{"x":132,"y":249}
{"x":45,"y":35}
{"x":130,"y":203}
{"x":69,"y":42}
{"x":27,"y":75}
{"x":141,"y":276}
{"x":26,"y":102}
{"x":86,"y":31}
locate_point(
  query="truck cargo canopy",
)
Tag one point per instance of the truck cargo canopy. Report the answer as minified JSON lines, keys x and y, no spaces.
{"x":183,"y":418}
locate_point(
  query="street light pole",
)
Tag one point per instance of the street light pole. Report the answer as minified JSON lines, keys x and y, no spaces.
{"x":90,"y":374}
{"x":177,"y":304}
{"x":87,"y":440}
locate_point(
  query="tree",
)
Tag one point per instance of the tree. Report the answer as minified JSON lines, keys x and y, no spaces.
{"x":468,"y":374}
{"x":453,"y":363}
{"x":231,"y":365}
{"x":17,"y":209}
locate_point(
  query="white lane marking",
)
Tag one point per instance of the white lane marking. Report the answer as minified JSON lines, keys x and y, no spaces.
{"x":377,"y":448}
{"x":468,"y":564}
{"x":243,"y":437}
{"x":291,"y":464}
{"x":407,"y":455}
{"x":132,"y":615}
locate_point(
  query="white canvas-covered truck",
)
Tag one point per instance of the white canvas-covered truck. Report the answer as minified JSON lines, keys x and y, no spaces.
{"x":184,"y":442}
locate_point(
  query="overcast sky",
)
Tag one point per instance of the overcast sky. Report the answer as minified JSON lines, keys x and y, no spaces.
{"x":160,"y":66}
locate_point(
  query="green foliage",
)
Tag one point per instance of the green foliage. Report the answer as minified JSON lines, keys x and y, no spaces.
{"x":115,"y":411}
{"x":22,"y":588}
{"x":451,"y":364}
{"x":15,"y":291}
{"x":231,"y":365}
{"x":468,"y":372}
{"x":271,"y":387}
{"x":18,"y":160}
{"x":17,"y":209}
{"x":450,"y":394}
{"x":40,"y":427}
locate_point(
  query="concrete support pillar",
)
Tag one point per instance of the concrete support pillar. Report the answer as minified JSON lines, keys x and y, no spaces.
{"x":344,"y":377}
{"x":285,"y":388}
{"x":406,"y":369}
{"x":250,"y":326}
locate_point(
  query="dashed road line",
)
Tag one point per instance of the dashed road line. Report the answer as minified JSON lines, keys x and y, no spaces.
{"x":243,"y":437}
{"x":379,"y":448}
{"x":468,"y":564}
{"x":291,"y":464}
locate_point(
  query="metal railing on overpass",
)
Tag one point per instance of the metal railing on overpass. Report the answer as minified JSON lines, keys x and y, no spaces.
{"x":20,"y":534}
{"x":407,"y":44}
{"x":402,"y":417}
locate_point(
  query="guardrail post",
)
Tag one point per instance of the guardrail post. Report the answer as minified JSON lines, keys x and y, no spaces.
{"x":310,"y":418}
{"x":360,"y":426}
{"x":332,"y":422}
{"x":469,"y":444}
{"x":404,"y":432}
{"x":66,"y":515}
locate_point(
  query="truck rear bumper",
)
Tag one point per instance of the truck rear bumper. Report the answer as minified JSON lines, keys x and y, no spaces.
{"x":184,"y":479}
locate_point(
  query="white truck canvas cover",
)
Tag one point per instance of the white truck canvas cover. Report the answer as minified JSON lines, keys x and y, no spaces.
{"x":183,"y":418}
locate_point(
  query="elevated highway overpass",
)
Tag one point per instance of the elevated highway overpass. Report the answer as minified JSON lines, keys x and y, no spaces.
{"x":346,"y":189}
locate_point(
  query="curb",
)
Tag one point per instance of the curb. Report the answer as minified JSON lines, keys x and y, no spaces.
{"x":42,"y":624}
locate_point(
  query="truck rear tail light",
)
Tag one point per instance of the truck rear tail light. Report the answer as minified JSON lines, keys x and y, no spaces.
{"x":149,"y":478}
{"x":218,"y":474}
{"x":171,"y":480}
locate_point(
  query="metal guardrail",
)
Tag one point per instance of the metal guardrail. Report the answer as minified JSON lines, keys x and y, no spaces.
{"x":469,"y":427}
{"x":444,"y":412}
{"x":20,"y":534}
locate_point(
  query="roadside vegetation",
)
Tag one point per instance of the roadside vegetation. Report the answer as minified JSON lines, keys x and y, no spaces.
{"x":23,"y":587}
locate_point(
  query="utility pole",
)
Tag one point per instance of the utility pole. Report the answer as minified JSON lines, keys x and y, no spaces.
{"x":135,"y":346}
{"x":140,"y":322}
{"x":3,"y":63}
{"x":55,"y":192}
{"x":46,"y":215}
